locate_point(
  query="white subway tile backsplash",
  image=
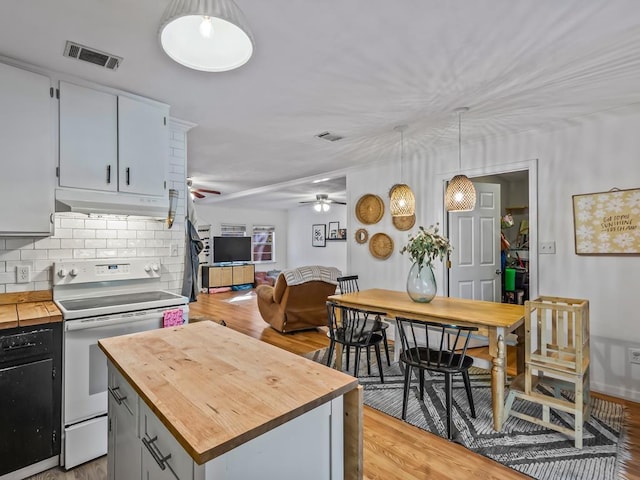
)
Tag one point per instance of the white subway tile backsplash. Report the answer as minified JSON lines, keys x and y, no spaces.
{"x":19,"y":287}
{"x":95,"y":243}
{"x":136,"y":242}
{"x":106,"y":253}
{"x":42,"y":285}
{"x":133,"y":225}
{"x":10,"y":255}
{"x":72,"y":243}
{"x":71,"y":223}
{"x":95,"y":224}
{"x":3,"y":266}
{"x":145,"y":234}
{"x":62,"y":253}
{"x":117,"y":224}
{"x":8,"y":277}
{"x":163,"y":234}
{"x":33,"y":254}
{"x":86,"y":253}
{"x":127,"y":252}
{"x":63,"y":233}
{"x":83,"y":233}
{"x":106,"y":234}
{"x":146,"y":252}
{"x":19,"y":243}
{"x":47,"y":243}
{"x":117,"y":243}
{"x":153,"y":243}
{"x":127,"y":234}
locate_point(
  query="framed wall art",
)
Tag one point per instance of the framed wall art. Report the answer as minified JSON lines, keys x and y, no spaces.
{"x":318,"y":235}
{"x":333,"y":230}
{"x":607,"y":223}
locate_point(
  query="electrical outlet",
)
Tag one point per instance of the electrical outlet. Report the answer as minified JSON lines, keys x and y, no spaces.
{"x":174,"y":249}
{"x":23,"y":274}
{"x":548,"y":247}
{"x":634,"y":355}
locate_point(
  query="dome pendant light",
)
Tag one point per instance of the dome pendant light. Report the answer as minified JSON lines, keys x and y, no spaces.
{"x":206,"y":35}
{"x":403,"y":201}
{"x":461,"y":194}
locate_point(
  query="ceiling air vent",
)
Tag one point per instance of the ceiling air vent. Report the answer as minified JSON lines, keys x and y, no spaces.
{"x":328,"y":136}
{"x":91,"y":55}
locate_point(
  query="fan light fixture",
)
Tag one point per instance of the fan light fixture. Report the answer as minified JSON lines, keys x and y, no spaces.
{"x":403,"y":201}
{"x":206,"y":35}
{"x":322,"y":203}
{"x":461,"y":194}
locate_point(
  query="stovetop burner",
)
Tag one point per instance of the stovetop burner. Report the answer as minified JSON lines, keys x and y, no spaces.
{"x":128,"y":299}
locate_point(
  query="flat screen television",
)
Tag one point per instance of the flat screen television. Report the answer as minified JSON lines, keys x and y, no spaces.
{"x":231,"y":249}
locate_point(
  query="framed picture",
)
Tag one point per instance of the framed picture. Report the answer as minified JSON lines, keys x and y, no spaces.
{"x":333,"y":230}
{"x":318,"y":235}
{"x":607,"y":223}
{"x":342,"y":234}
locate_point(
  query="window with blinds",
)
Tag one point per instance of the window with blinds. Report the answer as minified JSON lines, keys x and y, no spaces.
{"x":233,"y":230}
{"x":263,"y":243}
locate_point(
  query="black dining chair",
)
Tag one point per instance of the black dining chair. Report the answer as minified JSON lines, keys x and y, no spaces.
{"x":352,"y":327}
{"x":349,"y":284}
{"x":437,"y":348}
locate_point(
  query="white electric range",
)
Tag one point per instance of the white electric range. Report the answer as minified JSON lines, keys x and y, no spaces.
{"x":100,"y":299}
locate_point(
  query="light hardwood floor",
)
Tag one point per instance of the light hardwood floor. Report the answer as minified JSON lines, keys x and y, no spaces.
{"x":393,"y":450}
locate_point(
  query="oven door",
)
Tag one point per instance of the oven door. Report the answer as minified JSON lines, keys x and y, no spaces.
{"x":85,"y":366}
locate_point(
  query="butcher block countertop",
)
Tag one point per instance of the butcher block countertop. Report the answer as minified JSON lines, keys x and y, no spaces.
{"x":27,"y":308}
{"x":215,"y":389}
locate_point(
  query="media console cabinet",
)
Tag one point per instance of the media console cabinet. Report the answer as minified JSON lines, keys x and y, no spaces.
{"x":227,"y":275}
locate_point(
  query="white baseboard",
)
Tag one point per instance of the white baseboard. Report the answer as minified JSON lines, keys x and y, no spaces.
{"x":619,"y":392}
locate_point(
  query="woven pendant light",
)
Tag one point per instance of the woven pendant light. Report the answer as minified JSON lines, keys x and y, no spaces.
{"x":461,"y":194}
{"x":402,"y":200}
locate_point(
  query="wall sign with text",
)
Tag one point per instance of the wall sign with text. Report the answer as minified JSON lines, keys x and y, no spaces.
{"x":607,"y":222}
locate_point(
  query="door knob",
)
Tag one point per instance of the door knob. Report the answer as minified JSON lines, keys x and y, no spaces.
{"x":498,"y":271}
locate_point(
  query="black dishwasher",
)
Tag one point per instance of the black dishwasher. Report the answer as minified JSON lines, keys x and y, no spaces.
{"x":30,"y":395}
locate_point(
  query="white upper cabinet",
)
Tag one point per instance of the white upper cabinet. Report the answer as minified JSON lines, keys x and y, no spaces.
{"x":27,"y":152}
{"x":88,"y":138}
{"x":111,"y":142}
{"x":143,"y":146}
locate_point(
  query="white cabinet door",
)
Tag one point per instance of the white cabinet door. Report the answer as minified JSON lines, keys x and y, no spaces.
{"x":88,"y":138}
{"x":26,"y":152}
{"x":143,"y":146}
{"x":124,"y":446}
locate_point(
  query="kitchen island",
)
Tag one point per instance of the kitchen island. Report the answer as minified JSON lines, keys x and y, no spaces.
{"x":202,"y":401}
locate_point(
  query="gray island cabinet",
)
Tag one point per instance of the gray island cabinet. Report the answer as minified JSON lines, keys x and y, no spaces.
{"x":203,"y":402}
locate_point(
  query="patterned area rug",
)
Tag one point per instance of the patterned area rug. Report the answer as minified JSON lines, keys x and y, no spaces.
{"x":523,"y":446}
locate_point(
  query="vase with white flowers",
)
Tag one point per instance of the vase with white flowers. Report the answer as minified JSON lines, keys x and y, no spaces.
{"x":423,"y":248}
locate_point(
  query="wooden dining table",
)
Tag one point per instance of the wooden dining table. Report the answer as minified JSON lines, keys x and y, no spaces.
{"x":495,"y":320}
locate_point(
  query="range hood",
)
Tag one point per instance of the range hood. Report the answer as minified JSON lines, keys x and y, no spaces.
{"x":85,"y":201}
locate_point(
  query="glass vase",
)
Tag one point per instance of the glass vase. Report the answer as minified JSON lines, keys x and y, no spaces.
{"x":421,"y":283}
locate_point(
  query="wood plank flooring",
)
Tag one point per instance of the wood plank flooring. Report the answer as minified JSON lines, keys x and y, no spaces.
{"x":393,"y":450}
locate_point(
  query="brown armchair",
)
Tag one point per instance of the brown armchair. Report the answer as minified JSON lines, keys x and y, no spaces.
{"x":297,"y":300}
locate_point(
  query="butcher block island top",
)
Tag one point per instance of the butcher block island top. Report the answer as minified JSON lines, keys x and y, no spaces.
{"x":215,"y":389}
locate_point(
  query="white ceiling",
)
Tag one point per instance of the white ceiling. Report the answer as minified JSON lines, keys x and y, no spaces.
{"x":356,"y":68}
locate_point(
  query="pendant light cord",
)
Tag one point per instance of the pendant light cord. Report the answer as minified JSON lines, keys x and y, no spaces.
{"x":401,"y":155}
{"x":460,"y":141}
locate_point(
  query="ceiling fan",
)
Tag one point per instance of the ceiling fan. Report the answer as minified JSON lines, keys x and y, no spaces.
{"x":322,"y":202}
{"x":199,"y":192}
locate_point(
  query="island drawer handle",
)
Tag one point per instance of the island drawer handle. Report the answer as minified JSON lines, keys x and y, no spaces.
{"x":155,"y":452}
{"x":115,"y":393}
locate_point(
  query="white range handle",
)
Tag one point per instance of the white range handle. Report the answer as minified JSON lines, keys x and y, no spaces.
{"x":109,"y":320}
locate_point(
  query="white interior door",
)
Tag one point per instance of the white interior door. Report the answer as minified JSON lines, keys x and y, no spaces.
{"x":475,"y":236}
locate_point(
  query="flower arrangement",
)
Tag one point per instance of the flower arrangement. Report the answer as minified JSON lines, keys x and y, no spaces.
{"x":426,"y":245}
